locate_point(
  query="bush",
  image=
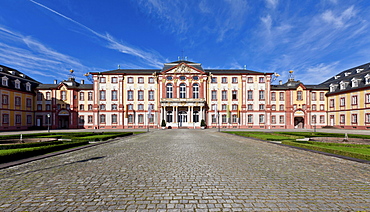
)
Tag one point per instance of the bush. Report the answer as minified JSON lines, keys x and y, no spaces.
{"x":28,"y":145}
{"x":163,"y":124}
{"x":203,"y":123}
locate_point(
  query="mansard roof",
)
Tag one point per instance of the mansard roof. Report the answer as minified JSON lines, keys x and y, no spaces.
{"x":293,"y":85}
{"x":13,"y":75}
{"x":70,"y":84}
{"x":360,"y":74}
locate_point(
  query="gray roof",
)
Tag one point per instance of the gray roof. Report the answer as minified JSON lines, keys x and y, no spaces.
{"x":357,"y":73}
{"x":13,"y":75}
{"x":292,"y":85}
{"x":70,"y":83}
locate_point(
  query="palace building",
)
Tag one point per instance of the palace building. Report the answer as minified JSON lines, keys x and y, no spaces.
{"x":183,"y":93}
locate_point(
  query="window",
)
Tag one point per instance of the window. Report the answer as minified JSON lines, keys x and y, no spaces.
{"x":130,"y":119}
{"x":250,"y":107}
{"x":299,"y":96}
{"x":82,"y":96}
{"x":322,"y":119}
{"x":195,"y":78}
{"x":140,"y":107}
{"x":313,"y":121}
{"x":82,"y":107}
{"x":214,"y":95}
{"x":234,"y":118}
{"x":102,"y":118}
{"x":281,"y":107}
{"x":342,"y":102}
{"x":354,"y":118}
{"x":29,"y":119}
{"x":224,"y":95}
{"x":5,"y":118}
{"x":114,"y":118}
{"x":261,"y":80}
{"x":48,"y":107}
{"x":294,"y":107}
{"x":169,"y":90}
{"x":224,"y":118}
{"x":141,"y":80}
{"x":261,"y":95}
{"x":195,"y":91}
{"x":102,"y":80}
{"x":281,"y":120}
{"x":342,"y":119}
{"x":234,"y":107}
{"x":90,"y":96}
{"x":213,"y":80}
{"x":262,"y":119}
{"x":182,"y":78}
{"x":313,"y":96}
{"x":39,"y":106}
{"x":130,"y":80}
{"x":17,"y":84}
{"x":261,"y":107}
{"x":39,"y":96}
{"x":114,"y":95}
{"x":273,"y":107}
{"x":214,"y":119}
{"x":68,"y":106}
{"x":354,"y":100}
{"x":234,"y":95}
{"x":130,"y":95}
{"x":314,"y":107}
{"x":367,"y":98}
{"x":273,"y":119}
{"x":151,"y":80}
{"x":250,"y":119}
{"x":224,"y":80}
{"x":140,"y":95}
{"x":90,"y":107}
{"x":102,"y":95}
{"x":102,"y":107}
{"x":114,"y":106}
{"x":250,"y":79}
{"x":17,"y":101}
{"x":322,"y":96}
{"x":182,"y":90}
{"x":140,"y":118}
{"x":169,"y":116}
{"x":28,"y":102}
{"x":354,"y":82}
{"x":169,"y":78}
{"x":281,"y":96}
{"x":18,"y":119}
{"x":28,"y":86}
{"x":273,"y":96}
{"x":130,"y":107}
{"x":58,"y":106}
{"x":63,"y":95}
{"x":234,"y":80}
{"x":223,"y":107}
{"x":367,"y":118}
{"x":5,"y":81}
{"x":114,"y":79}
{"x":331,"y":103}
{"x":81,"y":119}
{"x":151,"y":95}
{"x":214,"y":107}
{"x":250,"y":95}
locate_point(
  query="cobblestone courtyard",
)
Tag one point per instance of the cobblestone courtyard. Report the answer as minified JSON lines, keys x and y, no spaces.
{"x":187,"y":170}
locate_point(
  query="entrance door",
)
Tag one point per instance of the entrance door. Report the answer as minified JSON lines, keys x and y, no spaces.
{"x":183,"y":118}
{"x":299,"y":122}
{"x":63,"y":122}
{"x":331,"y":120}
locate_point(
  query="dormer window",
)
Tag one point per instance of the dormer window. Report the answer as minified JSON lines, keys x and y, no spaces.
{"x":17,"y":84}
{"x":343,"y":85}
{"x":336,"y":77}
{"x":354,"y":82}
{"x":4,"y":81}
{"x":367,"y":79}
{"x":359,"y":70}
{"x":347,"y":74}
{"x":333,"y":87}
{"x":28,"y":86}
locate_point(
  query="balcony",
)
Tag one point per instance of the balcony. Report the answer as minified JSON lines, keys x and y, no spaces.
{"x":183,"y":102}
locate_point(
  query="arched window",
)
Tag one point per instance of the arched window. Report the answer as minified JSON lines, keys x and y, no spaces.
{"x":182,"y":90}
{"x":169,"y":90}
{"x":195,"y":91}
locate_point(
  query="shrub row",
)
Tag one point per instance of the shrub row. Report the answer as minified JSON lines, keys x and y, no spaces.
{"x":322,"y":134}
{"x":328,"y":150}
{"x":17,"y":154}
{"x":28,"y":145}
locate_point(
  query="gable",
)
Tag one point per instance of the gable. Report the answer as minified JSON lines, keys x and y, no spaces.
{"x":183,"y":68}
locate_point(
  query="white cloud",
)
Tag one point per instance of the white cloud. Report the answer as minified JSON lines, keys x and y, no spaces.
{"x":338,"y":20}
{"x":318,"y":73}
{"x":272,"y":3}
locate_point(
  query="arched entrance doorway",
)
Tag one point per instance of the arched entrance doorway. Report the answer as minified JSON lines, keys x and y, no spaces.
{"x":63,"y":119}
{"x":299,"y":119}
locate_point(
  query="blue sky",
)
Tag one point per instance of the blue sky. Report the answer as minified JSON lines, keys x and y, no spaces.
{"x":316,"y":39}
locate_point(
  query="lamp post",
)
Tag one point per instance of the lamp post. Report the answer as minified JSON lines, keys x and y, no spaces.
{"x":218,"y":120}
{"x":48,"y":115}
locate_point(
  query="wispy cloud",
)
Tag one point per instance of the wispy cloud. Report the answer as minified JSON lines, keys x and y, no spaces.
{"x":152,"y":58}
{"x":272,"y":3}
{"x":338,"y":20}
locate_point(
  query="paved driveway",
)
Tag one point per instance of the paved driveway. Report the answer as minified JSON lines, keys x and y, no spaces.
{"x":187,"y":170}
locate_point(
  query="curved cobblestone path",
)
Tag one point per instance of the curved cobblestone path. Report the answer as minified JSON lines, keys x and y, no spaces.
{"x":187,"y":170}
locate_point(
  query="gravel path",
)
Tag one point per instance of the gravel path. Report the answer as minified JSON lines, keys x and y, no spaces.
{"x":187,"y":170}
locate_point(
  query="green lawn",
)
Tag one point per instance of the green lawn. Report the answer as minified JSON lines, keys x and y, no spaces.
{"x":289,"y":138}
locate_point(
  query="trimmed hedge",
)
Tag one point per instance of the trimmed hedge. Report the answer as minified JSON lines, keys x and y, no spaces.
{"x":28,"y":145}
{"x":328,"y":150}
{"x":17,"y":154}
{"x":102,"y":137}
{"x":322,"y":134}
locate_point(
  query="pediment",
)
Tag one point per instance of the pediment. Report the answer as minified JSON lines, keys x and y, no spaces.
{"x":183,"y":69}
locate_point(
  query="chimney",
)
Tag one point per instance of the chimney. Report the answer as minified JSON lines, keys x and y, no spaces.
{"x":55,"y":81}
{"x":82,"y":81}
{"x":280,"y":82}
